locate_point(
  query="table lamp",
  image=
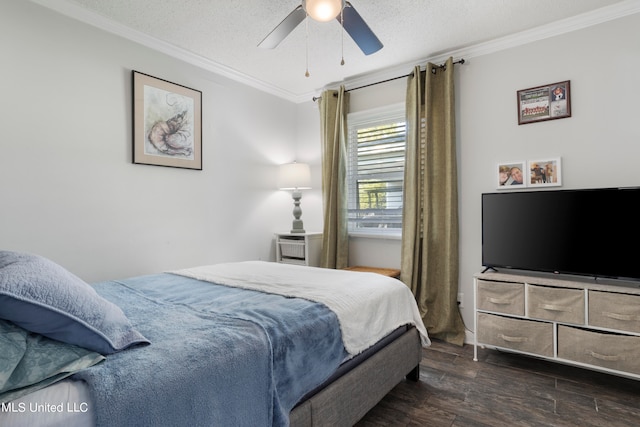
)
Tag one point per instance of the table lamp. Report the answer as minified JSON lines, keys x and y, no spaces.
{"x":295,"y":177}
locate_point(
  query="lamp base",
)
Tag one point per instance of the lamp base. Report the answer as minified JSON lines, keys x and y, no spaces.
{"x":297,"y":226}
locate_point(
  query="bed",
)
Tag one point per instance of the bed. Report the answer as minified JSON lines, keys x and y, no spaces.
{"x":249,"y":343}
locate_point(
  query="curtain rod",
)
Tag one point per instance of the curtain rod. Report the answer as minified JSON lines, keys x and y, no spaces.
{"x":433,"y":70}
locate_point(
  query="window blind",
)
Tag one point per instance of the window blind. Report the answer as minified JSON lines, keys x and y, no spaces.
{"x":375,"y":173}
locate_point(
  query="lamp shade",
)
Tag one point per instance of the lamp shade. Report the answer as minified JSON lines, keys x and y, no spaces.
{"x":323,"y":10}
{"x":292,"y":176}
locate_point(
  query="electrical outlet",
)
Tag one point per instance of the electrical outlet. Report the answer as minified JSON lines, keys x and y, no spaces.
{"x":460,"y":299}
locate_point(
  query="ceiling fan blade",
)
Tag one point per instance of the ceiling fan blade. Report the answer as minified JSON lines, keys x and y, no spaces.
{"x":359,"y":30}
{"x":283,"y":29}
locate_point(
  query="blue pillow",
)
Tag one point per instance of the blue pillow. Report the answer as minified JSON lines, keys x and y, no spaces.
{"x":42,"y":297}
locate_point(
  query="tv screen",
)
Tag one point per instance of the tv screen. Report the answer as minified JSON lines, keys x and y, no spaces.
{"x":590,"y":232}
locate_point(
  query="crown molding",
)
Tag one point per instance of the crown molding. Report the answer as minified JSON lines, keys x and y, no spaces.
{"x":578,"y":22}
{"x":608,"y":13}
{"x":81,"y":14}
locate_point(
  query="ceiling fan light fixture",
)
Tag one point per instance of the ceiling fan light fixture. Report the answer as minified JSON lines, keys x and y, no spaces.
{"x":323,"y":10}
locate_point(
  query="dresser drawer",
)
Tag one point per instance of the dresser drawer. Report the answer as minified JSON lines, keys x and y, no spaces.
{"x":614,"y":311}
{"x":516,"y":334}
{"x":612,"y":351}
{"x":557,"y":304}
{"x":501,"y":297}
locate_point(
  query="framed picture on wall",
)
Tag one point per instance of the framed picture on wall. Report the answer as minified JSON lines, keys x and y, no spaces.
{"x":511,"y":175}
{"x":167,"y":123}
{"x":548,"y":102}
{"x":544,"y":173}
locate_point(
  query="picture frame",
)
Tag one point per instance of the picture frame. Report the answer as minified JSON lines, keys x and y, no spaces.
{"x":511,"y":175}
{"x":167,"y":123}
{"x":547,"y":102}
{"x":544,"y":173}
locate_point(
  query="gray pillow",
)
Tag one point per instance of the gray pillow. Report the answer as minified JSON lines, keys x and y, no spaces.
{"x":31,"y":362}
{"x":42,"y":297}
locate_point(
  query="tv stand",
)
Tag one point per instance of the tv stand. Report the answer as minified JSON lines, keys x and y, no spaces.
{"x":571,"y":321}
{"x":487,"y":269}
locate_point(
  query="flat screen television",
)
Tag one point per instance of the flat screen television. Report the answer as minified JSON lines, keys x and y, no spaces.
{"x":592,"y":232}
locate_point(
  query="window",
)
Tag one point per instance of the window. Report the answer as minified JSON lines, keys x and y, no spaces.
{"x":375,"y":170}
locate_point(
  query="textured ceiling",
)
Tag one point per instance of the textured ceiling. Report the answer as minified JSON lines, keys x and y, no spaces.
{"x":223,"y":35}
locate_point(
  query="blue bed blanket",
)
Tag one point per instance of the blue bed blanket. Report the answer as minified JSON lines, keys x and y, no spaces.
{"x":219,"y":356}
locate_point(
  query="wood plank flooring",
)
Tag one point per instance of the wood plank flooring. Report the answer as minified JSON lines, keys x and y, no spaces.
{"x":504,"y":389}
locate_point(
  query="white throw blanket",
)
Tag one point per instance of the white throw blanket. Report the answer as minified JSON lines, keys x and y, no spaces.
{"x":369,"y":306}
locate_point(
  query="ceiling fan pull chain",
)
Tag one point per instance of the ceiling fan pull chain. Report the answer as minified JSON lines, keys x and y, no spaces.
{"x":342,"y":33}
{"x":306,"y":74}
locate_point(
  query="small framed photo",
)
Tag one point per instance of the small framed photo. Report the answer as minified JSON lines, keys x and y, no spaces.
{"x":548,"y":102}
{"x":544,"y":173}
{"x":167,"y":123}
{"x":511,"y":175}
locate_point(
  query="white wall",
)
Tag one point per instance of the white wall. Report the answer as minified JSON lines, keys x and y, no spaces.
{"x":69,"y":190}
{"x":308,"y":150}
{"x":599,"y":145}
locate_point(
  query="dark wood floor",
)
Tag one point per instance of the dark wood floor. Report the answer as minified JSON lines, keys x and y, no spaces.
{"x":504,"y":389}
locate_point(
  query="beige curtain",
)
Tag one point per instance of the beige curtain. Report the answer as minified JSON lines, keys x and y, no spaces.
{"x":333,"y":127}
{"x":429,"y":263}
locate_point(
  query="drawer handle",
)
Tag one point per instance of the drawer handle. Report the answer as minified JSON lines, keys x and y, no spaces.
{"x":604,"y":357}
{"x":499,"y":301}
{"x":618,"y":316}
{"x":553,"y":307}
{"x":512,"y":339}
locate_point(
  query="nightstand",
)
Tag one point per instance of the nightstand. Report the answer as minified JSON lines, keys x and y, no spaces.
{"x":391,"y":272}
{"x":299,"y":248}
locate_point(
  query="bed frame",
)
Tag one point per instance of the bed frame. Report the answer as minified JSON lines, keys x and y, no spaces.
{"x":347,"y":399}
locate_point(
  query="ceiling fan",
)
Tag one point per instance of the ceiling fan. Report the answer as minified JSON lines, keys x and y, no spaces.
{"x":325,"y":11}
